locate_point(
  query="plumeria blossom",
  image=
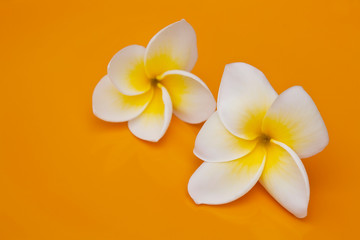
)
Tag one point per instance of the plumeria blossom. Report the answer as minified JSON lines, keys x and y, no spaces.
{"x":257,"y":135}
{"x":144,"y":86}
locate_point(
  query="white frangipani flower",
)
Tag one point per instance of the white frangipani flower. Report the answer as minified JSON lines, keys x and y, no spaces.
{"x":144,"y":86}
{"x":257,"y":135}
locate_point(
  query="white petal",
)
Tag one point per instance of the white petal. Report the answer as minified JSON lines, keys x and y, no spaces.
{"x":294,"y":120}
{"x":215,"y":143}
{"x":112,"y":106}
{"x":174,"y":47}
{"x":192,"y":100}
{"x":152,"y":124}
{"x":285,"y":178}
{"x":127,"y":70}
{"x":244,"y":97}
{"x":219,"y":183}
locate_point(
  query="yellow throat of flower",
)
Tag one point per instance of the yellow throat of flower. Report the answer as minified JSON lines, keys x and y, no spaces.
{"x":264,"y":139}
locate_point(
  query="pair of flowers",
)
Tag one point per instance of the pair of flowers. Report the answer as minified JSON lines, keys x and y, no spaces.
{"x":255,"y":134}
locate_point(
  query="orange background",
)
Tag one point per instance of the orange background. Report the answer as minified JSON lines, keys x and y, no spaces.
{"x":64,"y":174}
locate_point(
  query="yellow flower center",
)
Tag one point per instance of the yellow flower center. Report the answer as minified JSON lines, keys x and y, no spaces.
{"x":154,"y":82}
{"x":264,"y":139}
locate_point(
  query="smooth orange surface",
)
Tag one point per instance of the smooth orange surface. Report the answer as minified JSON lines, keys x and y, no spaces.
{"x":64,"y":174}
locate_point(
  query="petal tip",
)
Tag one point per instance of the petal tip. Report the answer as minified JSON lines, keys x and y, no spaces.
{"x":303,"y":210}
{"x":237,"y":64}
{"x":198,"y":155}
{"x":154,"y":140}
{"x":196,"y":201}
{"x":301,"y":214}
{"x":183,"y":21}
{"x":144,"y":137}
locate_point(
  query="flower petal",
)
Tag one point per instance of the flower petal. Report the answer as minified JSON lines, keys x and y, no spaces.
{"x":127,"y":71}
{"x":192,"y":100}
{"x":112,"y":106}
{"x":174,"y":47}
{"x":285,"y":178}
{"x":219,"y":183}
{"x":294,"y":120}
{"x":152,"y":124}
{"x":244,"y":97}
{"x":215,"y":143}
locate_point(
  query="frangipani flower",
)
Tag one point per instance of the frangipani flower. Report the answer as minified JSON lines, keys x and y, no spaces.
{"x":257,"y":134}
{"x":144,"y":86}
